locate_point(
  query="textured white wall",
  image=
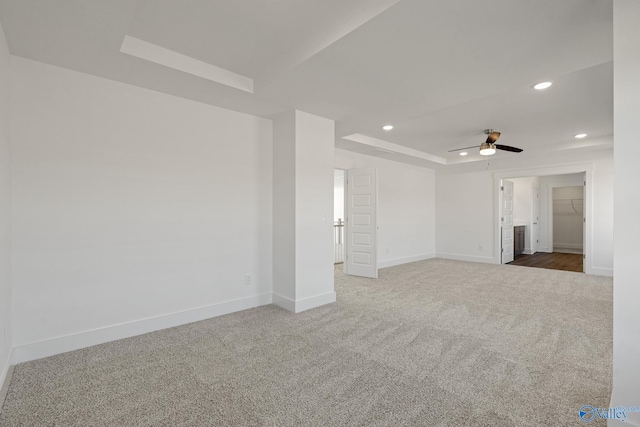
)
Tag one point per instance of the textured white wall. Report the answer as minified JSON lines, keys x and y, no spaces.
{"x":406,"y":207}
{"x":5,"y":212}
{"x":626,"y":282}
{"x":131,"y":204}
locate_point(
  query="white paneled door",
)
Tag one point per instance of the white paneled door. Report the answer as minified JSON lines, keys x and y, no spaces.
{"x":361,"y":223}
{"x":506,"y":220}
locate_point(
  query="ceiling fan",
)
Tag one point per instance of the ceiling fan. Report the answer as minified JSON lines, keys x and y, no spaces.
{"x":489,"y":147}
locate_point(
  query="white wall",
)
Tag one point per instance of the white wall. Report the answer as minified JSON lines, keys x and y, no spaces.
{"x":134,"y":210}
{"x":315,"y":138}
{"x":522,"y":192}
{"x":602,"y":221}
{"x":5,"y":212}
{"x":568,"y":214}
{"x":406,"y":207}
{"x":466,"y":217}
{"x":626,"y":287}
{"x":284,"y":209}
{"x":303,"y":209}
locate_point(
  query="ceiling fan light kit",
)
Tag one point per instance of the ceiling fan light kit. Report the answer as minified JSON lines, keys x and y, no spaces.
{"x":487,"y":149}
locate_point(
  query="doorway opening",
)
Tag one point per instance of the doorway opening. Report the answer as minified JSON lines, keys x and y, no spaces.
{"x":547,"y":227}
{"x":568,"y":212}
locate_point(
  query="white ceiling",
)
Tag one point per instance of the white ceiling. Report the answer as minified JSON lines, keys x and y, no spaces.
{"x":440,"y":72}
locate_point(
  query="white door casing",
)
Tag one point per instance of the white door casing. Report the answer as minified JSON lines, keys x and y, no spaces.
{"x":361,"y":225}
{"x":584,"y":224}
{"x":535,"y":219}
{"x":506,"y":220}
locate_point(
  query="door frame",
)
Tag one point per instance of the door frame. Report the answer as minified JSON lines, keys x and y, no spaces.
{"x":586,"y":168}
{"x":344,"y":213}
{"x":502,"y":223}
{"x":535,"y":193}
{"x":550,"y":237}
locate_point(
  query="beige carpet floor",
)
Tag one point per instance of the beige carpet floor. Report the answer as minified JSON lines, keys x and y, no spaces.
{"x":432,"y":343}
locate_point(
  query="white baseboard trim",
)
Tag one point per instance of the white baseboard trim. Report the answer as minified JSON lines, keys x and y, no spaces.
{"x":315,"y":301}
{"x":558,"y":245}
{"x":297,"y":306}
{"x":5,"y":377}
{"x":405,"y":260}
{"x":596,"y":271}
{"x":50,"y":347}
{"x":284,"y":302}
{"x":470,"y":258}
{"x":528,"y":251}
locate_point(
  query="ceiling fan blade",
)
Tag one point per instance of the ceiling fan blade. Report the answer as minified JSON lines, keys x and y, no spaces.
{"x":509,"y":148}
{"x":460,"y":149}
{"x":493,"y":137}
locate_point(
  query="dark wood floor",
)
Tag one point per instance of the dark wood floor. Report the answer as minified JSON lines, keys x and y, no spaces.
{"x":554,"y":261}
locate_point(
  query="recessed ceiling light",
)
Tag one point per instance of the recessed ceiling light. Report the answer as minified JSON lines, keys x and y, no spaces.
{"x":387,"y":127}
{"x":580,"y":135}
{"x":542,"y":85}
{"x":464,"y":153}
